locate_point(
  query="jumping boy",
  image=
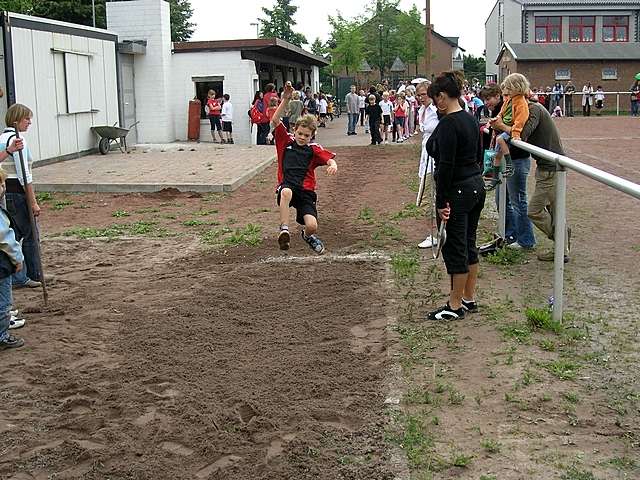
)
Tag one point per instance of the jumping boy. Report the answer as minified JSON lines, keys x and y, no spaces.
{"x":297,"y":161}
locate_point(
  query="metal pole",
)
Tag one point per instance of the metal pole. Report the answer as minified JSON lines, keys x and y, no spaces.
{"x":93,"y":8}
{"x":380,"y":27}
{"x":617,"y":104}
{"x":427,"y":41}
{"x":502,"y":206}
{"x":560,"y":227}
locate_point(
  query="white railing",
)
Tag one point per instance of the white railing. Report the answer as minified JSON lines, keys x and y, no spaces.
{"x":577,"y":100}
{"x":560,"y":214}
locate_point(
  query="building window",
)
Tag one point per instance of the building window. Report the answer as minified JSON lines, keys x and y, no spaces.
{"x":609,"y":73}
{"x":548,"y":29}
{"x":203,"y":85}
{"x":563,"y":74}
{"x":615,"y":29}
{"x":582,"y":29}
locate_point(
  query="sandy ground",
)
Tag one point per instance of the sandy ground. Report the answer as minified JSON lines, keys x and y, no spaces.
{"x":183,"y":345}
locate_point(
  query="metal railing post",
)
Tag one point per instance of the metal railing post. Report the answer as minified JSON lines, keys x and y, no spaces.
{"x":502,"y":206}
{"x":560,"y":228}
{"x":618,"y":104}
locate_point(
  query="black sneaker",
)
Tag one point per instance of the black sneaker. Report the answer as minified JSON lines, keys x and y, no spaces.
{"x":11,"y":341}
{"x":446,"y":313}
{"x":491,"y":183}
{"x":314,"y":243}
{"x":469,"y":306}
{"x":284,"y":238}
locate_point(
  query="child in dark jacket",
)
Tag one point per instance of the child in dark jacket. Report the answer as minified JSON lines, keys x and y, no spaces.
{"x":373,"y":111}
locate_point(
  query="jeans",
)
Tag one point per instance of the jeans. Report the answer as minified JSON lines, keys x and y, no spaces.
{"x":263,"y":132}
{"x":517,"y":195}
{"x":19,"y":210}
{"x":635,"y":107}
{"x":509,"y":221}
{"x":353,"y":121}
{"x":568,"y":106}
{"x":5,"y":306}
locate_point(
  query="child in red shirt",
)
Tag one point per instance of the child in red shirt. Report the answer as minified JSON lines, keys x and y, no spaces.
{"x":297,"y":160}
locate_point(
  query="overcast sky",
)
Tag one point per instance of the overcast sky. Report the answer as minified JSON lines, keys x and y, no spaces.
{"x":219,"y":20}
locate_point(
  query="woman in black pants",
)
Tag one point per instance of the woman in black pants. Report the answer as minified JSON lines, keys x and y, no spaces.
{"x":455,"y":146}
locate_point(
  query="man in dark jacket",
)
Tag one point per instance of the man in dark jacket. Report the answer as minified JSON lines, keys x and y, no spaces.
{"x":541,"y":131}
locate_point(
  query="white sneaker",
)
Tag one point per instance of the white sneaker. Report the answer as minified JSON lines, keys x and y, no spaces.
{"x":428,"y":242}
{"x":386,"y":142}
{"x":16,"y":323}
{"x":514,"y":246}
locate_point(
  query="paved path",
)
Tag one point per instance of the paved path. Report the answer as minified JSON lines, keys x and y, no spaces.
{"x":203,"y":167}
{"x":198,"y":167}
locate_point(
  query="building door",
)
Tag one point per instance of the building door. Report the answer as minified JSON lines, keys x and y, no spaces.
{"x":128,"y":96}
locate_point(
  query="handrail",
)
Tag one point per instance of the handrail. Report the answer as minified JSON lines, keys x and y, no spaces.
{"x":596,"y":174}
{"x":559,"y":214}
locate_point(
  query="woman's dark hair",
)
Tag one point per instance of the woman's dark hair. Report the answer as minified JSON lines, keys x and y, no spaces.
{"x":269,"y":87}
{"x":256,"y":97}
{"x":449,"y":83}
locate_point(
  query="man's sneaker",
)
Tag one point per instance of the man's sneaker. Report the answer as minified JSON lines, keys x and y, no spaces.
{"x":549,"y":256}
{"x":28,"y":284}
{"x":314,"y":242}
{"x":11,"y":341}
{"x":428,"y":242}
{"x":16,"y":323}
{"x":284,"y":238}
{"x":469,"y":305}
{"x":446,"y":313}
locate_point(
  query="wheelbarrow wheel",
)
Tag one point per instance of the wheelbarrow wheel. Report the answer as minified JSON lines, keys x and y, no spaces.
{"x":104,"y":145}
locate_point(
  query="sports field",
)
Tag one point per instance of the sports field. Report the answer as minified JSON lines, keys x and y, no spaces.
{"x":180,"y":344}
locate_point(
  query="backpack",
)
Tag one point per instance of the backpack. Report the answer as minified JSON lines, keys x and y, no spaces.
{"x":256,"y":115}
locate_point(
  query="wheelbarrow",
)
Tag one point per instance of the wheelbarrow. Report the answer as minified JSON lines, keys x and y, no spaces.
{"x":111,"y":133}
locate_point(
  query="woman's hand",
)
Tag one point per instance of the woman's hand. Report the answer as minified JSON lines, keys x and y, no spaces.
{"x":444,"y":213}
{"x":288,"y":91}
{"x":36,"y":209}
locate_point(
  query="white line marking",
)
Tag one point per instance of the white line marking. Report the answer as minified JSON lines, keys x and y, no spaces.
{"x":355,"y":257}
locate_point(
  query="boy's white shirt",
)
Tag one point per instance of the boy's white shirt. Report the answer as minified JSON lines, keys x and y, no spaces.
{"x":387,"y":107}
{"x":322,"y":106}
{"x":13,"y":168}
{"x":599,"y":95}
{"x":227,"y":112}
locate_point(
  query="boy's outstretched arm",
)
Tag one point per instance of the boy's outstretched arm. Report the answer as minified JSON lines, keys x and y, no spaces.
{"x":284,"y":105}
{"x":332,"y":168}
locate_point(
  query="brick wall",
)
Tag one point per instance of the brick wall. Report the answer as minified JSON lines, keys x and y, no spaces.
{"x":543,"y":73}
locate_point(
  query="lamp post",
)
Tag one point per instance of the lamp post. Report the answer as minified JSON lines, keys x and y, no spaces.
{"x":380,"y":27}
{"x":93,"y":9}
{"x":257,"y":25}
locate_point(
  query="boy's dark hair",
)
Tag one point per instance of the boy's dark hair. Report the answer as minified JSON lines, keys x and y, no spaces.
{"x":491,"y":90}
{"x":226,"y":96}
{"x":448,"y":82}
{"x":269,"y":87}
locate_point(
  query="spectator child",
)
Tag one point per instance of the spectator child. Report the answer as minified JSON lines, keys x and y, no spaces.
{"x":10,"y":262}
{"x":514,"y":113}
{"x":557,"y":112}
{"x":227,"y":118}
{"x":297,"y":161}
{"x":387,"y":115}
{"x":374,"y":115}
{"x":322,"y":110}
{"x":599,"y":100}
{"x":213,"y":110}
{"x":399,"y":116}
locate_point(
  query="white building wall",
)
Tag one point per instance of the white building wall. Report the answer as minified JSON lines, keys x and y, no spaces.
{"x":148,"y":20}
{"x":504,"y":25}
{"x":238,"y":76}
{"x":41,"y":84}
{"x":315,"y":79}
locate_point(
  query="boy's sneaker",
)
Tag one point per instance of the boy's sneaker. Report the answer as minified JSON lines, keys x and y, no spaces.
{"x":446,"y":313}
{"x":314,"y":242}
{"x":491,"y":183}
{"x":11,"y":341}
{"x":469,"y":305}
{"x":16,"y":323}
{"x":284,"y":238}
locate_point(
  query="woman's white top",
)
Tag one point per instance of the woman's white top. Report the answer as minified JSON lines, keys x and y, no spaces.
{"x":428,"y":117}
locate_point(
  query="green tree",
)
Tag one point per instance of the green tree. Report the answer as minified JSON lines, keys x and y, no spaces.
{"x":326,"y":73}
{"x":475,"y":67}
{"x":348,"y":45}
{"x":279,"y":23}
{"x":80,"y":11}
{"x":382,"y":35}
{"x":318,"y":48}
{"x":413,"y":33}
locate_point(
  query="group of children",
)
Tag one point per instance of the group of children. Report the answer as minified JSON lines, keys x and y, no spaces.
{"x":219,"y":110}
{"x":391,"y":112}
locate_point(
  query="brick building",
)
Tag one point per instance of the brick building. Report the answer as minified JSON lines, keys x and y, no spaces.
{"x":559,"y":40}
